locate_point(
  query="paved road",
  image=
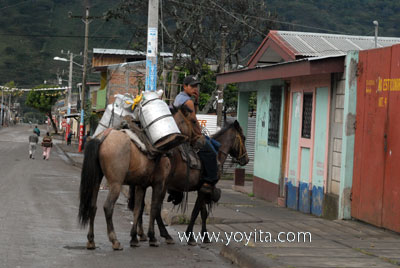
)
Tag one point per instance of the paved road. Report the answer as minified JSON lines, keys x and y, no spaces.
{"x":38,"y":218}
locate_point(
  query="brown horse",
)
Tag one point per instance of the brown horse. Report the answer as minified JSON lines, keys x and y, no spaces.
{"x":121,"y":162}
{"x":232,"y":143}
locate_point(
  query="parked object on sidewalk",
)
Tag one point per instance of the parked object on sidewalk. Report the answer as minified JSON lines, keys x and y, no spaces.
{"x":33,"y":141}
{"x":47,"y":144}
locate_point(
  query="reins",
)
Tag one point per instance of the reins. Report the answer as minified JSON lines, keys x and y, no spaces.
{"x":238,"y":142}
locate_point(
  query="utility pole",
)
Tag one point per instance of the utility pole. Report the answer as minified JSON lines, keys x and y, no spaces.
{"x":2,"y":107}
{"x":68,"y":127}
{"x":375,"y":22}
{"x":151,"y":52}
{"x":87,"y":20}
{"x":220,"y":99}
{"x":9,"y":108}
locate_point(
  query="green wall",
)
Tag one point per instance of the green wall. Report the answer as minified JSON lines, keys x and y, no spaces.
{"x":348,"y":138}
{"x":267,"y":159}
{"x":320,"y":133}
{"x":102,"y":92}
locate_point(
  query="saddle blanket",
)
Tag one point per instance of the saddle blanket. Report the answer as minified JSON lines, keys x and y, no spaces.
{"x":135,"y":139}
{"x":190,"y":156}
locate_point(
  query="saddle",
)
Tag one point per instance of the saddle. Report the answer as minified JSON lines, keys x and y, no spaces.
{"x":190,"y":156}
{"x":139,"y":138}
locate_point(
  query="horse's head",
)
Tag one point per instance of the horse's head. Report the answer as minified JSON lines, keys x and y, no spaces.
{"x":232,"y":142}
{"x":186,"y":124}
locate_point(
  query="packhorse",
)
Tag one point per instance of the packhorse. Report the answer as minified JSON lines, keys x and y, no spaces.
{"x":116,"y":157}
{"x":182,"y":178}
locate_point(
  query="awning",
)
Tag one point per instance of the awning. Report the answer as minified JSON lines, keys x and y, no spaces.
{"x":303,"y":67}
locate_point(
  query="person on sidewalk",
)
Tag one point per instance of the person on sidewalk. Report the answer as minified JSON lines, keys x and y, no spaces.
{"x":36,"y":130}
{"x":47,"y":144}
{"x":206,"y":152}
{"x":84,"y":139}
{"x":69,"y":138}
{"x":33,"y":141}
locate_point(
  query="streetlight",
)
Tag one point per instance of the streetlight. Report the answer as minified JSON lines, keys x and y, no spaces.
{"x":71,"y":56}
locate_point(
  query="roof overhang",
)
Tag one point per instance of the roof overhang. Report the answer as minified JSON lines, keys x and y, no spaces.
{"x":303,"y":67}
{"x":72,"y":115}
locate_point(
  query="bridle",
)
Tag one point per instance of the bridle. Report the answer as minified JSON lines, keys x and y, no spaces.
{"x":242,"y":153}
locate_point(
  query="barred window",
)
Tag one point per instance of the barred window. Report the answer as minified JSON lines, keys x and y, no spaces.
{"x":274,"y":116}
{"x":307,"y":115}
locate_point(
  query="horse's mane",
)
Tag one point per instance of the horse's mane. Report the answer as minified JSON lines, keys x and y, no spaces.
{"x":183,"y":108}
{"x":222,"y":131}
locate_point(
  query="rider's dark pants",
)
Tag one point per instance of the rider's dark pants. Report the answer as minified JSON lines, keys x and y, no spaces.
{"x":208,"y":159}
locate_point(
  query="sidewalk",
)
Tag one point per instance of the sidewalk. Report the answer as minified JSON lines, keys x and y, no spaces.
{"x":70,"y":151}
{"x":335,"y":243}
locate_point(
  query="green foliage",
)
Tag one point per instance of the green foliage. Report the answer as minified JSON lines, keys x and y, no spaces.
{"x":43,"y":101}
{"x":90,"y":117}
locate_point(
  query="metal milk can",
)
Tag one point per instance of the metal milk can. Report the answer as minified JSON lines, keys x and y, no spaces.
{"x":155,"y":117}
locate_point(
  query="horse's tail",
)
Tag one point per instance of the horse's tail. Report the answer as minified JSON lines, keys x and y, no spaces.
{"x":131,"y":200}
{"x":90,"y":178}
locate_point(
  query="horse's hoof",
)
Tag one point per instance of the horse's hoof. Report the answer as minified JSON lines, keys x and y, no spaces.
{"x":154,"y":243}
{"x":169,"y":241}
{"x":90,"y":245}
{"x":206,"y":241}
{"x":143,"y":237}
{"x":117,"y":246}
{"x":192,"y":243}
{"x":134,"y":243}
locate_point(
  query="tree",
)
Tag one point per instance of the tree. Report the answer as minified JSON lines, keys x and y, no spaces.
{"x":44,"y":101}
{"x":194,"y":27}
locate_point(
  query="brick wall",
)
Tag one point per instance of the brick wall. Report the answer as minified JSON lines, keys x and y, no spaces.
{"x":122,"y":80}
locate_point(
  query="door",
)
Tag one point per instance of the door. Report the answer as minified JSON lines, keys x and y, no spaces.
{"x":376,"y":190}
{"x":391,"y":188}
{"x":301,"y":150}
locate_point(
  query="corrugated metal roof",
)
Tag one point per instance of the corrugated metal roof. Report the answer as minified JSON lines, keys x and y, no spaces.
{"x":320,"y":44}
{"x":126,"y":52}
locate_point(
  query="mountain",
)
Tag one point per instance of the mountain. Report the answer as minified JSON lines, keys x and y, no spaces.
{"x":33,"y":32}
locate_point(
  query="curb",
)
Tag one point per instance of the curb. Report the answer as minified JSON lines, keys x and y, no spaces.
{"x":76,"y":164}
{"x":242,"y":259}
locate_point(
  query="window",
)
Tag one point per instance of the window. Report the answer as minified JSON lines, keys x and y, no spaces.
{"x":307,"y":115}
{"x":274,"y":116}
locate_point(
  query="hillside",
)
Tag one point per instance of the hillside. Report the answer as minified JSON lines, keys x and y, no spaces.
{"x":32,"y":32}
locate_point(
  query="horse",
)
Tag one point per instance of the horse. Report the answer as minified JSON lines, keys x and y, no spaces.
{"x":184,"y":179}
{"x":121,"y":162}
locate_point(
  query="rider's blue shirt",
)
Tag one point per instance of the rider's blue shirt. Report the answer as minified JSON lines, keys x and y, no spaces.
{"x":181,"y":98}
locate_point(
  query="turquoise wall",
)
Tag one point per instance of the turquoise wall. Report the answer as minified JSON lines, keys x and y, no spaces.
{"x":294,"y":139}
{"x":267,"y":159}
{"x":350,"y":102}
{"x":320,"y":150}
{"x":243,"y":110}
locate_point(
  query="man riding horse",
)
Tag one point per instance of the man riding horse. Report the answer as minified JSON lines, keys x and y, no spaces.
{"x":205,"y":150}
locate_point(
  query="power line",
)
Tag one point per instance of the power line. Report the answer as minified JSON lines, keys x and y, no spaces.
{"x":15,"y":4}
{"x":59,"y":36}
{"x":261,"y":18}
